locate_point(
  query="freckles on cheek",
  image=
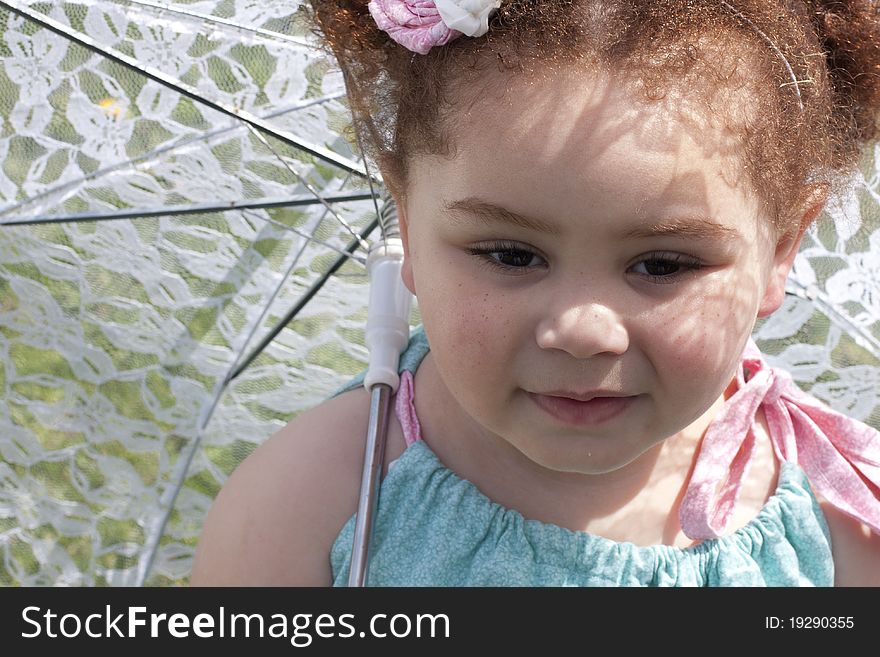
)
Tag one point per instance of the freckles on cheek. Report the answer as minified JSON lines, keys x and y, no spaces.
{"x":475,"y":325}
{"x":708,"y":339}
{"x":457,"y":320}
{"x":478,"y":327}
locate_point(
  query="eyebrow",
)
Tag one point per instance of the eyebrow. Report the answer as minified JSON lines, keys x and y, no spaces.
{"x":700,"y":228}
{"x":693,"y":227}
{"x":489,"y":213}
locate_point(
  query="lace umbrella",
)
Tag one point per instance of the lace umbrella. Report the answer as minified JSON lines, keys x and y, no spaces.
{"x":175,"y":186}
{"x":175,"y":182}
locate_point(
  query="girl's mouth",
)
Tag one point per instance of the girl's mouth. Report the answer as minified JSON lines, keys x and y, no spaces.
{"x":582,"y":413}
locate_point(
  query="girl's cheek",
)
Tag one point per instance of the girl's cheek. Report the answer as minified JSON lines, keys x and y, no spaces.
{"x":714,"y":333}
{"x":477,"y":322}
{"x":452,"y":302}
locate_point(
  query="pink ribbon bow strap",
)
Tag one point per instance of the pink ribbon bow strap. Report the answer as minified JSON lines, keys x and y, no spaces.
{"x":840,"y":455}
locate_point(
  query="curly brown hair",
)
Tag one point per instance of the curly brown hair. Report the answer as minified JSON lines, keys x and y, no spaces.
{"x":798,"y":137}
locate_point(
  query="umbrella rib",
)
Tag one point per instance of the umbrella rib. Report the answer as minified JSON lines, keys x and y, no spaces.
{"x":155,"y":153}
{"x":149,"y":213}
{"x":293,"y":312}
{"x":201,"y":208}
{"x":315,"y":193}
{"x":235,"y":368}
{"x":237,"y":365}
{"x":223,"y":21}
{"x":379,"y":215}
{"x":158,"y":76}
{"x":812,"y":294}
{"x":151,"y":545}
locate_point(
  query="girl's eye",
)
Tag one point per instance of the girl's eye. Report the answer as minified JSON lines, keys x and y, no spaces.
{"x":665,"y":267}
{"x":507,"y":257}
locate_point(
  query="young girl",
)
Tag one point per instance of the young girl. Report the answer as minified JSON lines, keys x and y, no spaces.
{"x":598,"y":198}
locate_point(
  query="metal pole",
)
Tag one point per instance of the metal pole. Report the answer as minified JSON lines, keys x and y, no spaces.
{"x":374,"y":458}
{"x":387,"y":335}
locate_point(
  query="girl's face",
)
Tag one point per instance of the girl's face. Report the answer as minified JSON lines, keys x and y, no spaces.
{"x":581,"y":244}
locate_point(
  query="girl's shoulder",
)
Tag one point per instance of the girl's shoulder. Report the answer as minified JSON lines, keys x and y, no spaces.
{"x":277,"y":516}
{"x":855,"y":547}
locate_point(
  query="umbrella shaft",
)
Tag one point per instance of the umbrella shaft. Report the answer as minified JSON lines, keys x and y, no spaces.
{"x":374,"y":458}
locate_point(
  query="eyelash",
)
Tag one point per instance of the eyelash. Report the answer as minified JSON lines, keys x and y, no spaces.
{"x":486,"y":252}
{"x":685,"y":263}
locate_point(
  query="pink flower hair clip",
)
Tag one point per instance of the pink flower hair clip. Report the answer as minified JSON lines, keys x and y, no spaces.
{"x":419,"y":25}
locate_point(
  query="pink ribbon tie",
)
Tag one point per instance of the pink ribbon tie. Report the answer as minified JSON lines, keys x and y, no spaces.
{"x":840,"y":455}
{"x":414,"y":24}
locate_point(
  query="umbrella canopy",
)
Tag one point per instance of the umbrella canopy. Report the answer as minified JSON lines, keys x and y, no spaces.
{"x":188,"y":177}
{"x":827,"y":334}
{"x":177,"y":213}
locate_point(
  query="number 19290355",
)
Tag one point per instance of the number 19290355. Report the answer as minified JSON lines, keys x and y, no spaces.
{"x":809,"y":622}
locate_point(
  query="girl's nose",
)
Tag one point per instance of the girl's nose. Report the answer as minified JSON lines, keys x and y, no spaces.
{"x":583,"y":331}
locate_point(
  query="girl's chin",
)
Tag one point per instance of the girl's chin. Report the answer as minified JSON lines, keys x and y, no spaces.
{"x":592,"y":458}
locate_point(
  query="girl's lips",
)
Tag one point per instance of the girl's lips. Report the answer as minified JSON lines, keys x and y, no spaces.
{"x":582,"y":413}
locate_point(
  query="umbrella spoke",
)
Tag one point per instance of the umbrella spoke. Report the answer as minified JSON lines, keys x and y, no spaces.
{"x":293,"y":312}
{"x":204,"y":208}
{"x":240,"y":362}
{"x":144,"y":213}
{"x":836,"y":314}
{"x":238,"y":366}
{"x":309,"y":187}
{"x":144,"y":159}
{"x":132,"y":330}
{"x":360,"y":240}
{"x":158,"y":76}
{"x":207,"y":18}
